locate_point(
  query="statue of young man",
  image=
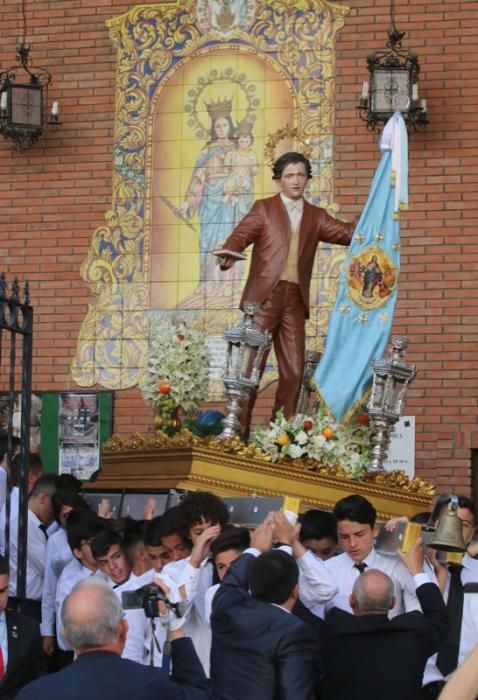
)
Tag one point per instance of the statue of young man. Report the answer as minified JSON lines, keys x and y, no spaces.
{"x":285,"y":231}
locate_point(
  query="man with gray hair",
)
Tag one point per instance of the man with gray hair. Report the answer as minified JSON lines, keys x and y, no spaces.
{"x":95,"y":627}
{"x":368,"y":656}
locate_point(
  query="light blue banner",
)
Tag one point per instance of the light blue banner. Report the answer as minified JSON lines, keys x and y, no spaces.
{"x":361,"y":320}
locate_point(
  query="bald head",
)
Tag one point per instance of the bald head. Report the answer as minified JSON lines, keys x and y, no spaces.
{"x":372,"y":593}
{"x":92,"y":617}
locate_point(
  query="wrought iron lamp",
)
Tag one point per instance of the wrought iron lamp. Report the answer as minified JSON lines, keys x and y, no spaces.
{"x":391,"y":379}
{"x":24,"y":99}
{"x":246,"y":346}
{"x":392,"y":84}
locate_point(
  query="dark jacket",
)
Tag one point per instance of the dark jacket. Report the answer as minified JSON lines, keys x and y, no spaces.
{"x":26,"y":660}
{"x":371,"y":657}
{"x":102,"y":675}
{"x":259,"y":651}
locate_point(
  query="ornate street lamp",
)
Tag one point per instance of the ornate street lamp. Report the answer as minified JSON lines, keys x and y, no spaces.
{"x":393,"y":84}
{"x":24,"y":98}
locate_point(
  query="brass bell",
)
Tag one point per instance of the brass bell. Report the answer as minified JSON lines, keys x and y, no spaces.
{"x":448,"y":535}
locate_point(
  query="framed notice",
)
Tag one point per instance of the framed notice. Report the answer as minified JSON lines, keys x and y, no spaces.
{"x":401,"y":453}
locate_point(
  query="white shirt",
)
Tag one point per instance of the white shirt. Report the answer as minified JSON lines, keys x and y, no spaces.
{"x":4,"y":639}
{"x":58,"y":555}
{"x":295,"y":208}
{"x":316,"y":584}
{"x":14,"y":502}
{"x":73,"y":573}
{"x":36,"y":557}
{"x":196,"y":582}
{"x":139,"y":626}
{"x":3,"y":486}
{"x":469,"y":622}
{"x":345,"y":574}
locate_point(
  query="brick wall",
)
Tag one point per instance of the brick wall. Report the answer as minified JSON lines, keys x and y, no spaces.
{"x":56,"y":195}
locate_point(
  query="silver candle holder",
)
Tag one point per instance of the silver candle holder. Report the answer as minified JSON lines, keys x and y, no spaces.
{"x":246,"y":347}
{"x":312,"y":358}
{"x":391,"y":379}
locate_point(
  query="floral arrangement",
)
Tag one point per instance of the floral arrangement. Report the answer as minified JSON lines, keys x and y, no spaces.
{"x":319,"y":438}
{"x":177,"y":374}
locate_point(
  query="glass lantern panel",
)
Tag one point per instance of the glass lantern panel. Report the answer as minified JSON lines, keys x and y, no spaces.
{"x":390,"y":91}
{"x":26,"y":106}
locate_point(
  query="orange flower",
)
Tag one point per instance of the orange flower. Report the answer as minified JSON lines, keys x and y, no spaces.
{"x":283,"y":440}
{"x":328,"y":433}
{"x":164,"y":388}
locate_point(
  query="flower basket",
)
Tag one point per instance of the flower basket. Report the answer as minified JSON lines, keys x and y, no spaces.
{"x":319,"y":438}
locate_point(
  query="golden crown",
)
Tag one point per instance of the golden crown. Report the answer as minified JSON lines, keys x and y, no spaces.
{"x":245,"y":127}
{"x":219,"y":108}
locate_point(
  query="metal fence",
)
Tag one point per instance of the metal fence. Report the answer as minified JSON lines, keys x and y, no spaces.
{"x":16,"y":326}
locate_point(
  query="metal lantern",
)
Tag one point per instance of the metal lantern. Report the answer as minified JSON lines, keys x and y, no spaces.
{"x":23,"y":102}
{"x":391,"y":379}
{"x":393,"y":84}
{"x":246,"y":347}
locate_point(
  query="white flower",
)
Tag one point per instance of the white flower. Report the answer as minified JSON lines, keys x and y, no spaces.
{"x":295,"y":451}
{"x":179,"y":358}
{"x":302,"y":438}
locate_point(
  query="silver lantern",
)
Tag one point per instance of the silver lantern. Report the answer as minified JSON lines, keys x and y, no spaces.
{"x":246,"y":347}
{"x":391,"y":378}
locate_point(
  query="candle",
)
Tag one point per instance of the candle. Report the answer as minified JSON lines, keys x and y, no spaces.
{"x":54,"y":109}
{"x":414,"y":92}
{"x":3,"y":101}
{"x":423,"y":105}
{"x":365,"y":89}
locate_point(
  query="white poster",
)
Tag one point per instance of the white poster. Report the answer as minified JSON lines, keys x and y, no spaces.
{"x":401,"y":453}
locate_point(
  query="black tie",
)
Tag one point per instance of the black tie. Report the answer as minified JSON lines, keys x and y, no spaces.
{"x":361,"y":566}
{"x":44,"y":529}
{"x":447,"y":659}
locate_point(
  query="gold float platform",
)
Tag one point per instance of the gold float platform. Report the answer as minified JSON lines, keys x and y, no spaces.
{"x":230,"y":468}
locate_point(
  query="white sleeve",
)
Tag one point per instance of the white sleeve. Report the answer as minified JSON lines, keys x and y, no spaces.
{"x":134,"y":648}
{"x":316,"y":584}
{"x":50,"y":583}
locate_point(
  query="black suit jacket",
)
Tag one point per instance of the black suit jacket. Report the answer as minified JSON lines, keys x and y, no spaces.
{"x":26,"y":660}
{"x":259,"y":651}
{"x":373,"y":658}
{"x":101,"y":675}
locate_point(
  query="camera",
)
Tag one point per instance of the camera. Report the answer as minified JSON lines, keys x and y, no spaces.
{"x":147,"y":598}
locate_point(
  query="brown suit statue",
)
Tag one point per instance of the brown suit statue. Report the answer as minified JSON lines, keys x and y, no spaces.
{"x":285,"y":231}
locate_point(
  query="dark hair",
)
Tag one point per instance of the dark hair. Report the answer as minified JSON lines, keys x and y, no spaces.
{"x":421,"y":518}
{"x":67,"y":498}
{"x":4,"y":445}
{"x":68,"y":482}
{"x":162,"y":526}
{"x":316,"y":524}
{"x":196,"y":506}
{"x":102,"y":543}
{"x":4,"y":566}
{"x":134,"y":536}
{"x":356,"y":509}
{"x":237,"y":538}
{"x":83,"y":525}
{"x":465,"y":502}
{"x":35,"y":467}
{"x":45,"y":484}
{"x":273,"y":576}
{"x":230,"y":134}
{"x":287,"y":159}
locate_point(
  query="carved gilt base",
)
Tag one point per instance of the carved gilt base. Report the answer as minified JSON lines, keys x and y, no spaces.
{"x":229,"y":468}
